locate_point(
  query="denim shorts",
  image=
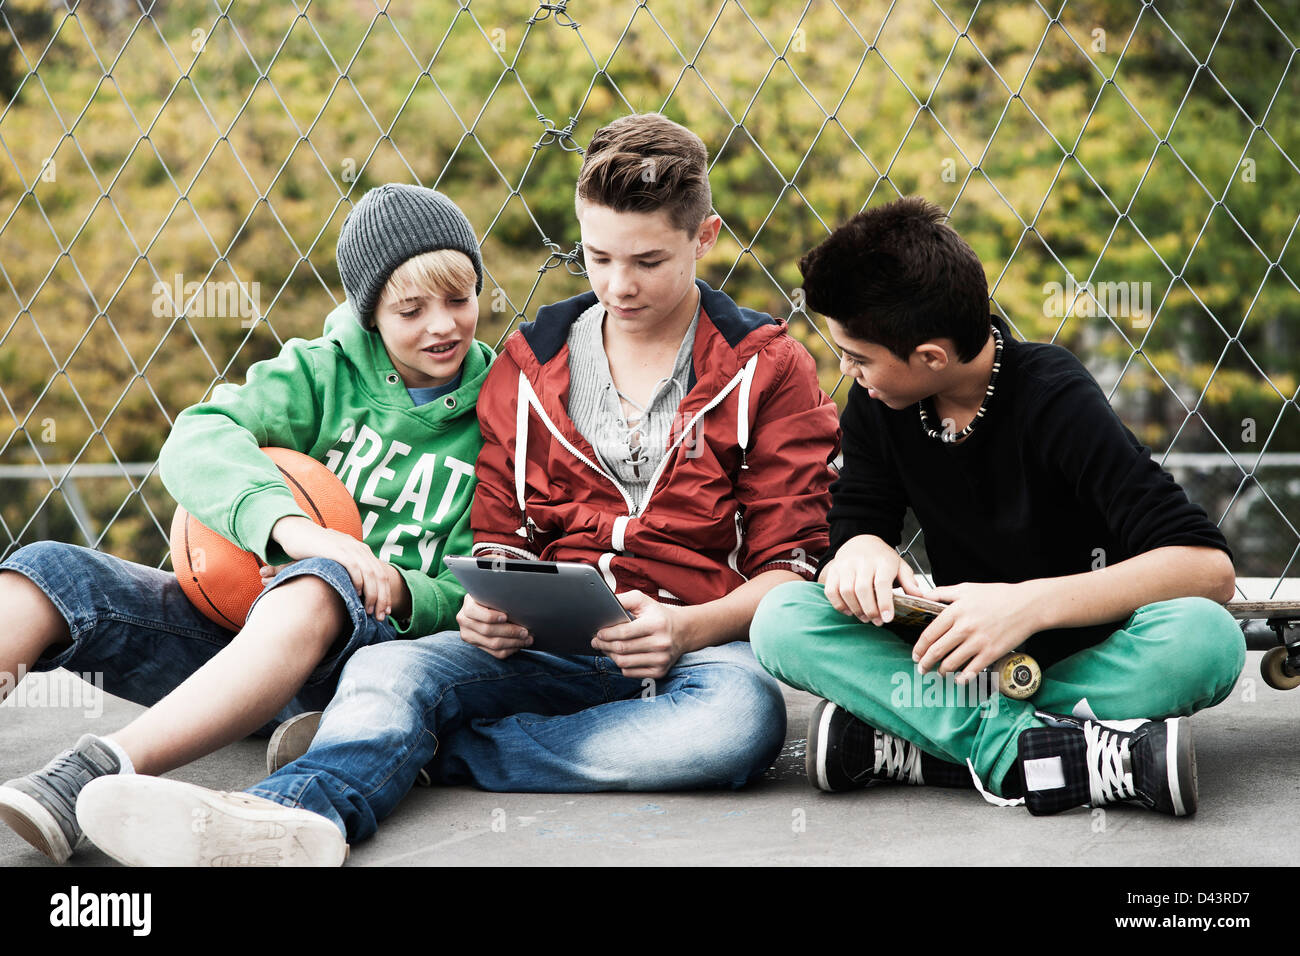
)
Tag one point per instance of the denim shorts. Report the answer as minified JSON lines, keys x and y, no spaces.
{"x":134,"y":629}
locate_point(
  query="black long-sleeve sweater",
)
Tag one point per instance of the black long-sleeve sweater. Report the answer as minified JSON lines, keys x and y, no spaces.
{"x":1050,"y":482}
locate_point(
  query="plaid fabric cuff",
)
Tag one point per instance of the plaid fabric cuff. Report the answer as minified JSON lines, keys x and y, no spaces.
{"x":1053,"y":769}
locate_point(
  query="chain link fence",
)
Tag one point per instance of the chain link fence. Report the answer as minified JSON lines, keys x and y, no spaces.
{"x":174,"y":175}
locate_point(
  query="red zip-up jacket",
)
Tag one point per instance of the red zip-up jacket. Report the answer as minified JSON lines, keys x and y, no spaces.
{"x":744,"y":486}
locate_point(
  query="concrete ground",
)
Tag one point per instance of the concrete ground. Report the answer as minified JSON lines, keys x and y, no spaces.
{"x":1249,"y":779}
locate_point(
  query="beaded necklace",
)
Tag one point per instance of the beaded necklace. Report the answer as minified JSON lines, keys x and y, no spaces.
{"x":949,"y":437}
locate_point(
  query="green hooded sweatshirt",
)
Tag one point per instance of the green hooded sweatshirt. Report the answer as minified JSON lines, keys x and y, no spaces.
{"x":339,"y":399}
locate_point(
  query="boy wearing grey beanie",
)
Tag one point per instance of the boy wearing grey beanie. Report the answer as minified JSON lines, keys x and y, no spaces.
{"x":386,"y":399}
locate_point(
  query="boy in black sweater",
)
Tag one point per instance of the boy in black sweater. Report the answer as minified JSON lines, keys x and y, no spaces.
{"x":1048,"y":526}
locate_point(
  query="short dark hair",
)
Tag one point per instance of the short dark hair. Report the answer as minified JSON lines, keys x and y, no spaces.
{"x":899,"y":275}
{"x":645,"y":162}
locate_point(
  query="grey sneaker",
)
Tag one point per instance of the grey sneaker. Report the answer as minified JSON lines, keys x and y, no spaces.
{"x":153,"y":821}
{"x":42,"y":806}
{"x":292,"y":738}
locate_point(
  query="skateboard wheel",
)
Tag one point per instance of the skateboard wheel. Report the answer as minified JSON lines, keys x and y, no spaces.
{"x":1275,"y":672}
{"x":1019,"y":676}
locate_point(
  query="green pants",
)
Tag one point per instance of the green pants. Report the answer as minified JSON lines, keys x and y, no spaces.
{"x":1170,"y":658}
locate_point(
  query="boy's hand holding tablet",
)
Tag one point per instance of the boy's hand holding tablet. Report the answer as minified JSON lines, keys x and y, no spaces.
{"x":490,"y":629}
{"x":647,"y":646}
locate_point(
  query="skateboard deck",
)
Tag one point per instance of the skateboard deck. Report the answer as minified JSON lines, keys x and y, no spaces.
{"x":914,"y":612}
{"x":1265,"y":610}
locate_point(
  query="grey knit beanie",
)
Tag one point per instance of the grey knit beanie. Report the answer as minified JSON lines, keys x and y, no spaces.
{"x":387,"y":226}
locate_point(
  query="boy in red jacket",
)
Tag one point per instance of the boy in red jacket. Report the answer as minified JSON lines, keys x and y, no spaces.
{"x":655,"y":430}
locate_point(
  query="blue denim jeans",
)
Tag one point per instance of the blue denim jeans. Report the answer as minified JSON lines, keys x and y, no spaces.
{"x":533,"y":722}
{"x":133,"y":624}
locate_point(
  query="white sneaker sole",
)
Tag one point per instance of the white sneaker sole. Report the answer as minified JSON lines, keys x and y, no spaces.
{"x":815,"y":763}
{"x":1180,"y":761}
{"x":152,"y":821}
{"x":31,"y":821}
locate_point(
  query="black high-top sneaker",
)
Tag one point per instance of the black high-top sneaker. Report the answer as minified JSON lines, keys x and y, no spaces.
{"x":845,"y":753}
{"x":1076,"y":762}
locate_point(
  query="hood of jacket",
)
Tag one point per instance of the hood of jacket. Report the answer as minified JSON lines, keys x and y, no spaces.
{"x":742,"y":333}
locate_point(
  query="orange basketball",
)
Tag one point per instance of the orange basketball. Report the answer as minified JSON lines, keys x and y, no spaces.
{"x":221,"y":579}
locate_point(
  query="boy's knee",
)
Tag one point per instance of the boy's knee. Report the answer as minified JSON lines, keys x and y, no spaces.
{"x":38,"y":553}
{"x":1216,"y":638}
{"x":377,"y":688}
{"x":382,"y":664}
{"x":63,"y":580}
{"x":315,"y":602}
{"x":401,"y":669}
{"x":50,"y":559}
{"x":1202,"y":641}
{"x":746,"y":729}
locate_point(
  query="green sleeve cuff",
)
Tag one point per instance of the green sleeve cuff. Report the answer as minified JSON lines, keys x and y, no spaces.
{"x":434,"y":604}
{"x":254,"y":514}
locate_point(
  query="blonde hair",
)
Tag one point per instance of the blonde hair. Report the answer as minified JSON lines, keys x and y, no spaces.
{"x":444,"y":272}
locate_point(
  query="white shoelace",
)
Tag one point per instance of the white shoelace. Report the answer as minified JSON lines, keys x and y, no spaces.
{"x":988,"y":797}
{"x":1107,"y":780}
{"x":899,"y":759}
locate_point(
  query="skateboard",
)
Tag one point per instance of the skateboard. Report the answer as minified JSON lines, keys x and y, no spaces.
{"x":1270,"y":626}
{"x":1018,"y":675}
{"x":1273,"y":627}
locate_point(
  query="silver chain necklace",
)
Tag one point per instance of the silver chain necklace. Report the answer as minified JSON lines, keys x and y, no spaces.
{"x":949,"y":437}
